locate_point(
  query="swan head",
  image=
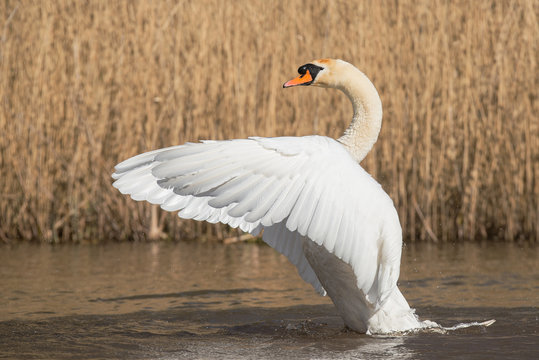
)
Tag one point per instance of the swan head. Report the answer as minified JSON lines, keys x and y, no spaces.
{"x":362,"y":133}
{"x":322,"y":73}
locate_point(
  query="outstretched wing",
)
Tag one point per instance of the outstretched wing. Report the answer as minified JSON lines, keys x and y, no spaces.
{"x":293,"y":187}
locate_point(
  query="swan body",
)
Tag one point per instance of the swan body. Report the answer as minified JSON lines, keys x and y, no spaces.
{"x":315,"y":203}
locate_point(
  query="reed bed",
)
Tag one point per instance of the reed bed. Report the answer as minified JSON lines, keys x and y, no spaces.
{"x":84,"y":85}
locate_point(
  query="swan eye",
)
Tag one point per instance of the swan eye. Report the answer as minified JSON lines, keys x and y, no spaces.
{"x":312,"y":68}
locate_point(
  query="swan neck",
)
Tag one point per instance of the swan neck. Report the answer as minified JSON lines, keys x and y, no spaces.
{"x":360,"y":136}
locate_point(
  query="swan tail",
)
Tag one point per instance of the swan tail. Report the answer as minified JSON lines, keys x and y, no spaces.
{"x":395,"y":315}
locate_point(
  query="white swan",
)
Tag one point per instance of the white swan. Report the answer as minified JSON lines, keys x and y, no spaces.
{"x":315,"y":203}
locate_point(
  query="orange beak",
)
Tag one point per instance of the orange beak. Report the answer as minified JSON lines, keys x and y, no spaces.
{"x":304,"y":79}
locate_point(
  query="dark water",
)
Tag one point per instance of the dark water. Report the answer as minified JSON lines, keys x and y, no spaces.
{"x":208,"y":301}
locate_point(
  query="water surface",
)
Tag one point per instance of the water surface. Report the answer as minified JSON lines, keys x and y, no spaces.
{"x":193,"y":300}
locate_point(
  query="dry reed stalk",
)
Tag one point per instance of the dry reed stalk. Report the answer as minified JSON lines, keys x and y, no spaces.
{"x":84,"y":85}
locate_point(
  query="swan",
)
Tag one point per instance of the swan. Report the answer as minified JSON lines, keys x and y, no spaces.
{"x":314,"y":202}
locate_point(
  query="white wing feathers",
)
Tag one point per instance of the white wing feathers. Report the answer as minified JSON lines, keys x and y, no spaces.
{"x":292,"y":187}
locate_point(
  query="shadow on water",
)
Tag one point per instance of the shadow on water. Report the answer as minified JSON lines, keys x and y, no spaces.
{"x":187,"y":301}
{"x":180,"y":294}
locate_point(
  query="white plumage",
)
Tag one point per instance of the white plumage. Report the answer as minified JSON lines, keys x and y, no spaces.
{"x":315,"y":203}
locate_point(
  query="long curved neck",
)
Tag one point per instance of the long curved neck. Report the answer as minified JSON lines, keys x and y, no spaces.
{"x":363,"y":132}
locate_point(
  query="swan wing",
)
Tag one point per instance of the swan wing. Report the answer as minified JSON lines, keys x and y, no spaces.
{"x":292,"y":187}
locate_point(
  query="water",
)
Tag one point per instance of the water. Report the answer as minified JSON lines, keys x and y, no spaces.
{"x":205,"y":301}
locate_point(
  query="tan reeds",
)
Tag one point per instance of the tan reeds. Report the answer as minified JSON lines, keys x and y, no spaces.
{"x":84,"y":85}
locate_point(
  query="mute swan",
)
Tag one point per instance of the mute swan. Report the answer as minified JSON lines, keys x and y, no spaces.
{"x":315,"y":203}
